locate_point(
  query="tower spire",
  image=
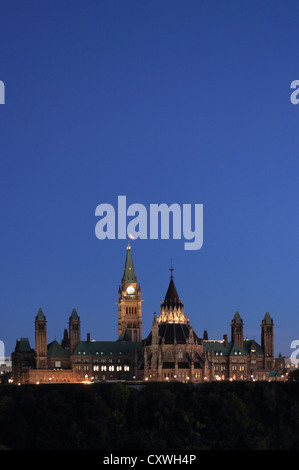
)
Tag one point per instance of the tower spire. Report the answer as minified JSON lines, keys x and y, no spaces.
{"x":171,"y":269}
{"x":172,"y":308}
{"x":129,"y":271}
{"x":129,"y":303}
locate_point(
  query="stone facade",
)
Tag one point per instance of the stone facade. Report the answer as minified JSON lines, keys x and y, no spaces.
{"x":172,"y":351}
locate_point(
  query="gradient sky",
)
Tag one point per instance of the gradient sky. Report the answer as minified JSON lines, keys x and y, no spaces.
{"x":164,"y":102}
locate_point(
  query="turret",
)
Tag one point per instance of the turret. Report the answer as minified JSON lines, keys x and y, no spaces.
{"x":267,"y":340}
{"x":74,"y":330}
{"x":237,"y":330}
{"x":41,"y":340}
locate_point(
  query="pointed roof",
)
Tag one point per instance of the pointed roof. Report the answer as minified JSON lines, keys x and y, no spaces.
{"x":267,"y":318}
{"x":129,"y":271}
{"x":40,"y":315}
{"x":172,"y":297}
{"x":24,"y":345}
{"x":74,"y":315}
{"x":237,"y":318}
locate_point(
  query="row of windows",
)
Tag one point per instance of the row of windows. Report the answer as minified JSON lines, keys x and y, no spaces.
{"x":217,"y":353}
{"x":96,"y":361}
{"x":112,"y":368}
{"x":234,"y":361}
{"x":242,"y":377}
{"x":234,"y":367}
{"x":131,"y":310}
{"x":97,"y":352}
{"x":241,"y":368}
{"x":180,"y":375}
{"x":104,"y":368}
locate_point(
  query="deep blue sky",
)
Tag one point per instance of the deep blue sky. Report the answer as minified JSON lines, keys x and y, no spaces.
{"x":161,"y":101}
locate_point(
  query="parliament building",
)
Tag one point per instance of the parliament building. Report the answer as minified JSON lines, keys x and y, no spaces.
{"x":171,"y":351}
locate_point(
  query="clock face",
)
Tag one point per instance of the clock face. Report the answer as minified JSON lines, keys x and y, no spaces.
{"x":130,"y":290}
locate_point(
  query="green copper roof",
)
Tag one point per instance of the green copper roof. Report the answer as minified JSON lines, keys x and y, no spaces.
{"x":56,"y":350}
{"x":74,"y":315}
{"x":237,"y":318}
{"x":40,"y":315}
{"x":129,"y":272}
{"x":232,"y":349}
{"x":267,"y":318}
{"x":24,"y":345}
{"x":105,"y":348}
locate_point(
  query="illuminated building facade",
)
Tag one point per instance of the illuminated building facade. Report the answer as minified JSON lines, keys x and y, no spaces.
{"x":172,"y":351}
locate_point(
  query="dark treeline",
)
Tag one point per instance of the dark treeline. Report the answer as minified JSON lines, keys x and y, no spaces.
{"x":233,"y":416}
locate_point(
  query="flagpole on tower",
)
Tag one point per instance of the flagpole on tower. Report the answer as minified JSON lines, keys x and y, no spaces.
{"x":130,"y":236}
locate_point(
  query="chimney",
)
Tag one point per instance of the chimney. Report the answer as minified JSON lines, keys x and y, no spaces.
{"x":225,"y":340}
{"x":88,"y":337}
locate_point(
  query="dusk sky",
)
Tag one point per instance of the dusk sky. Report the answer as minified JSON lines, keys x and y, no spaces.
{"x":183,"y":102}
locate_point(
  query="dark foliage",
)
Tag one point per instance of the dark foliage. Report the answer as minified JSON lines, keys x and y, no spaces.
{"x":224,"y":416}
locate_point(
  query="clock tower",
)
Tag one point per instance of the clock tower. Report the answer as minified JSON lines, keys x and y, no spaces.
{"x":129,"y":304}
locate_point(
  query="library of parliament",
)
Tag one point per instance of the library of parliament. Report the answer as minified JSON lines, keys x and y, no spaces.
{"x":172,"y":351}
